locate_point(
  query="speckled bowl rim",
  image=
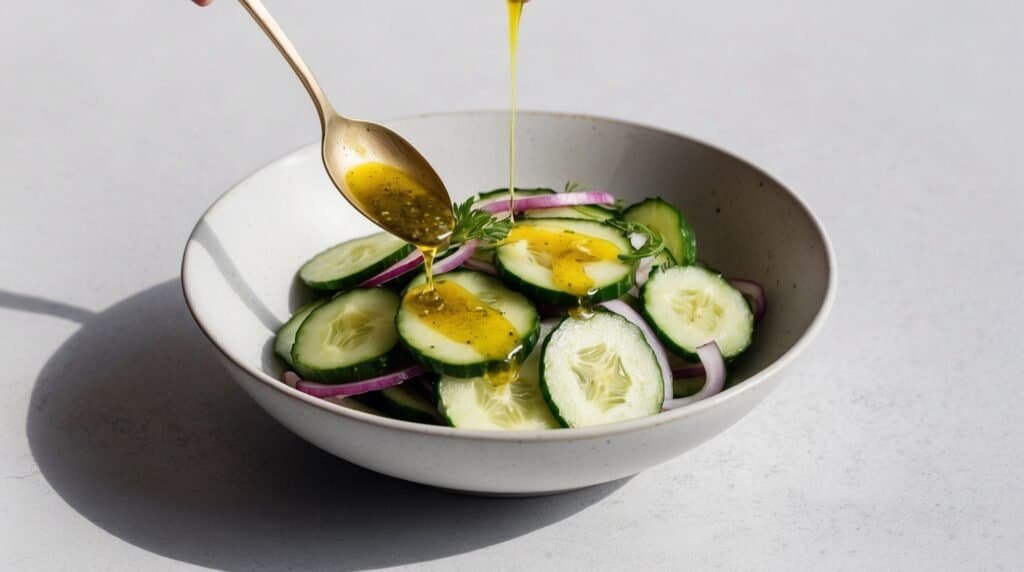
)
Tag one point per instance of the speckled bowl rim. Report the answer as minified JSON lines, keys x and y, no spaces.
{"x":598,"y":431}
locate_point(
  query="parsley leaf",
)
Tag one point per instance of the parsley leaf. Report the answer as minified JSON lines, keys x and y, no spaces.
{"x":471,"y":223}
{"x":573,"y":186}
{"x":654,"y":244}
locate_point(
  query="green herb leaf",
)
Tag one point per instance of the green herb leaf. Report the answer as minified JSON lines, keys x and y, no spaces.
{"x":471,"y":223}
{"x":654,"y":244}
{"x":573,"y":186}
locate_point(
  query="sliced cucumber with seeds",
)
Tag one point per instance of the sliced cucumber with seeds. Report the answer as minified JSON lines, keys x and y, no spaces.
{"x":285,"y":337}
{"x":600,"y":370}
{"x":476,"y":403}
{"x":458,"y":357}
{"x":666,"y":219}
{"x":348,"y":264}
{"x":349,"y":338}
{"x":405,"y":403}
{"x":690,"y":305}
{"x":530,"y":271}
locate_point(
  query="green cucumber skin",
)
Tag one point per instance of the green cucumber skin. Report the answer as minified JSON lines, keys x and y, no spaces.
{"x":686,"y":387}
{"x":477,"y":369}
{"x":307,"y":307}
{"x":357,"y":403}
{"x":670,"y":345}
{"x":586,"y":212}
{"x":439,"y":403}
{"x":543,"y":379}
{"x":353,"y":280}
{"x":689,"y":240}
{"x":557,"y":297}
{"x":444,"y":414}
{"x":347,"y":374}
{"x":380,"y":401}
{"x":608,"y":212}
{"x":488,"y":195}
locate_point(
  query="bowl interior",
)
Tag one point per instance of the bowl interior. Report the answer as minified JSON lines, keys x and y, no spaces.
{"x":241,"y":260}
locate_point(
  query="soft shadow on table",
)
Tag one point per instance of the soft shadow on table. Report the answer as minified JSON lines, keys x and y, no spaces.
{"x":135,"y":425}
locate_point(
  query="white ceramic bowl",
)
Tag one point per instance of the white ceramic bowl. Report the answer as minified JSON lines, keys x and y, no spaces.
{"x":239,"y":264}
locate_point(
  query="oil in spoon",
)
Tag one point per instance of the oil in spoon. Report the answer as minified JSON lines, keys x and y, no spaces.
{"x":399,"y":202}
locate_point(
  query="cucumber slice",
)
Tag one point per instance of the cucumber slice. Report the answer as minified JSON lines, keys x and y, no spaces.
{"x":476,"y":403}
{"x":666,"y":219}
{"x":349,"y":338}
{"x":585,"y":212}
{"x":347,"y":264}
{"x":684,"y":386}
{"x":530,"y":272}
{"x":600,"y":370}
{"x":285,"y":338}
{"x":357,"y":404}
{"x":691,"y":305}
{"x":502,"y":195}
{"x":456,"y":357}
{"x":403,"y":402}
{"x":487,"y":255}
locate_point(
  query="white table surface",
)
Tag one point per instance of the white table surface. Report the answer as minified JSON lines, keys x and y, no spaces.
{"x":895,"y":443}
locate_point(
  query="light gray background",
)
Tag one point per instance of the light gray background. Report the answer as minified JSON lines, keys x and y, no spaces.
{"x":896,"y":443}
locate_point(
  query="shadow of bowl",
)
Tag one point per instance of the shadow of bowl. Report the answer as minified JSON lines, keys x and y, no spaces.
{"x":135,"y":424}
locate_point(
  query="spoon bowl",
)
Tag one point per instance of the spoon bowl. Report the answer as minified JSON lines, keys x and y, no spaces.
{"x":348,"y":144}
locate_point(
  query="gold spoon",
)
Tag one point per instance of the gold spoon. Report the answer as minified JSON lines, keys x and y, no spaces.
{"x":397,"y":177}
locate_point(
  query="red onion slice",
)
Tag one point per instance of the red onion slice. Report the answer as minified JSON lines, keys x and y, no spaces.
{"x":623,"y":309}
{"x":753,"y":292}
{"x":455,"y":259}
{"x":356,"y":387}
{"x":551,"y":201}
{"x":291,"y":379}
{"x":714,"y":367}
{"x":411,"y":262}
{"x":415,"y":259}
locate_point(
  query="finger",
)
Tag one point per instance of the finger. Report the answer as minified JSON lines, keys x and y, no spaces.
{"x":202,"y":2}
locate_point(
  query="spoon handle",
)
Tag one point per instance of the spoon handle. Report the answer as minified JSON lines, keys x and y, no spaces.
{"x":273,"y":30}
